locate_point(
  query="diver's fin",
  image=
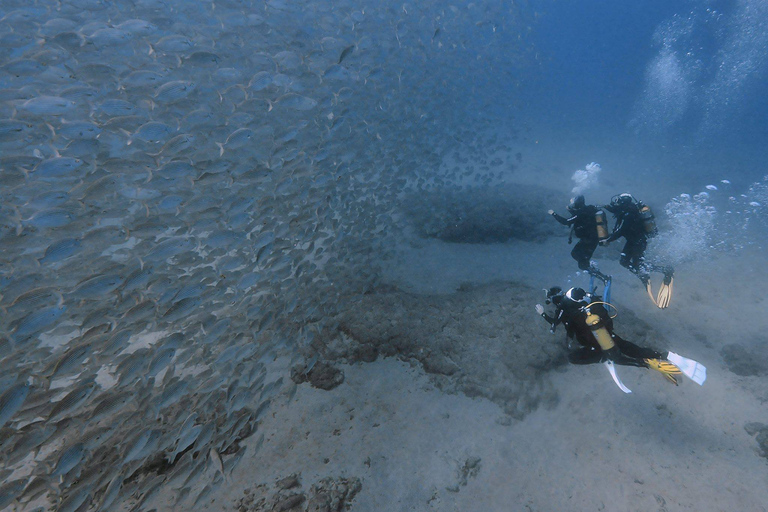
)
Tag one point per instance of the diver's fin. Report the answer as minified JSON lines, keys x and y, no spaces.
{"x":650,"y":292}
{"x":665,"y":293}
{"x":612,"y":370}
{"x":671,"y":378}
{"x":695,"y":371}
{"x":669,"y":370}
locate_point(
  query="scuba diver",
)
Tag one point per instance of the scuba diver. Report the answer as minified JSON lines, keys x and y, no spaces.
{"x":587,"y":320}
{"x":635,"y":222}
{"x":588,"y":223}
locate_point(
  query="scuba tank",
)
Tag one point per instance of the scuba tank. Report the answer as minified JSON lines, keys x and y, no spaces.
{"x":602,"y":225}
{"x":649,"y":221}
{"x":599,"y":331}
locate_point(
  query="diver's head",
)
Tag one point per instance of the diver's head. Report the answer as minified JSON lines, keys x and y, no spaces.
{"x":577,"y":203}
{"x":554,"y":295}
{"x":576,"y":294}
{"x":622,"y":200}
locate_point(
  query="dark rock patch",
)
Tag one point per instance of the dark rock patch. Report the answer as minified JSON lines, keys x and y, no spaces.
{"x":744,"y":362}
{"x":760,"y":431}
{"x":484,"y":215}
{"x":287,"y":495}
{"x":322,"y":375}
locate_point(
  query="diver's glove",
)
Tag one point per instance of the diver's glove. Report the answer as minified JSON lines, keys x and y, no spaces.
{"x":551,"y":212}
{"x":540,"y":309}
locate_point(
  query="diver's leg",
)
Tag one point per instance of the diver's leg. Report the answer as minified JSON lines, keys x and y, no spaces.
{"x":582,"y":254}
{"x":586,"y":251}
{"x":632,"y":258}
{"x":585,"y":355}
{"x":614,"y":354}
{"x":668,"y":271}
{"x":635,"y":351}
{"x":625,"y":259}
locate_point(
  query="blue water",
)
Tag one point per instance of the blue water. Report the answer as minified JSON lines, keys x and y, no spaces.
{"x":191,"y":190}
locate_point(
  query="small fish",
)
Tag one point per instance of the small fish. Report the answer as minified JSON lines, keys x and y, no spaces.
{"x":11,"y":129}
{"x":58,"y":167}
{"x":50,"y":218}
{"x":77,"y":499}
{"x":173,"y":43}
{"x":69,"y":360}
{"x":68,"y":459}
{"x":168,"y":248}
{"x":73,"y":399}
{"x":145,"y":443}
{"x":48,"y":199}
{"x":107,"y":37}
{"x":61,"y":250}
{"x":142,"y":78}
{"x":79,"y":130}
{"x":346,"y":52}
{"x":110,"y":404}
{"x":216,"y":461}
{"x":114,"y":108}
{"x":160,"y":361}
{"x":202,"y":58}
{"x":171,"y":394}
{"x":38,"y":321}
{"x":48,"y":105}
{"x":237,"y":139}
{"x":177,"y":144}
{"x":174,"y":91}
{"x":11,"y":491}
{"x":35,"y":297}
{"x":181,"y":308}
{"x":96,"y":286}
{"x":260,"y":81}
{"x":138,"y":27}
{"x":151,"y":132}
{"x":11,"y":401}
{"x":111,"y":492}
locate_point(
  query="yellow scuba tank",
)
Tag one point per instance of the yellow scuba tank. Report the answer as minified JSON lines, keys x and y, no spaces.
{"x":649,"y":221}
{"x":599,"y":331}
{"x":602,"y":225}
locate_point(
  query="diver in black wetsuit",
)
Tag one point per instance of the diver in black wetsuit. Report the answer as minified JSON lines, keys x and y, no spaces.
{"x":573,"y":309}
{"x":583,"y":221}
{"x":636,"y":229}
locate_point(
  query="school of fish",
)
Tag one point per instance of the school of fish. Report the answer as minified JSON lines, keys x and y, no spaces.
{"x":186,"y":189}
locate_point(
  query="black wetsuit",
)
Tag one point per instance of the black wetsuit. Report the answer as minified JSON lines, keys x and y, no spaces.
{"x":573,"y":315}
{"x":629,"y":224}
{"x":585,"y":228}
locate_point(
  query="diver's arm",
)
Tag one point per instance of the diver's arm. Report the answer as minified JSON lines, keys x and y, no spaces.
{"x":562,"y":220}
{"x":618,"y":232}
{"x":552,"y":321}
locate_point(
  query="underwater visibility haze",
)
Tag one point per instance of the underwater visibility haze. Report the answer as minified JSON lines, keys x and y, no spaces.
{"x":252,"y":252}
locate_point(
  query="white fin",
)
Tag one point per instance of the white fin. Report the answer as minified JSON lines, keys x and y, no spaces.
{"x":612,"y":369}
{"x":695,"y":371}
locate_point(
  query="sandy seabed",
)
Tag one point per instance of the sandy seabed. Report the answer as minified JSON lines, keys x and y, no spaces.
{"x":449,"y":393}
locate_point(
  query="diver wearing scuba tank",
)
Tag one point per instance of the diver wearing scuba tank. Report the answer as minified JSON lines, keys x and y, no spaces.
{"x":636,"y":223}
{"x":588,"y":223}
{"x":588,"y":322}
